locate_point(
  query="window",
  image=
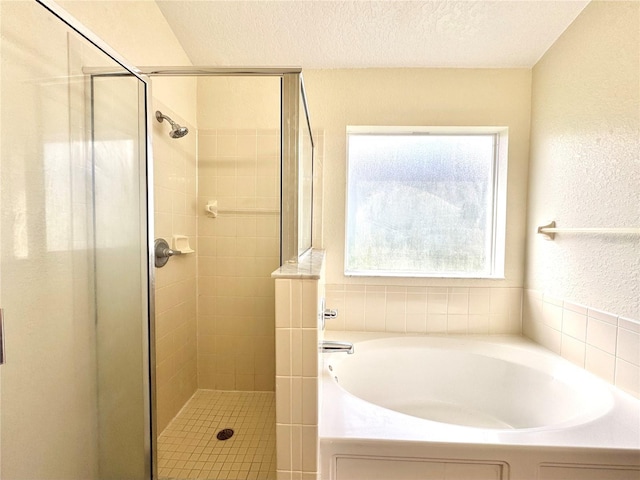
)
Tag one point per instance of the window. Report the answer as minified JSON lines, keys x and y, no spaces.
{"x":425,"y":201}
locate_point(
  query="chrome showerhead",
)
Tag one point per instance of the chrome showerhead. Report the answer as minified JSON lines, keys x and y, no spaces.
{"x":177,"y":131}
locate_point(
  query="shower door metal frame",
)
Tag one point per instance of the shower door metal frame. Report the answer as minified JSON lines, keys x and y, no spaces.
{"x":148,"y":306}
{"x":291,"y":90}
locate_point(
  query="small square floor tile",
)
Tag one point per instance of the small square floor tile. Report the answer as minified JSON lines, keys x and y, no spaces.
{"x":192,"y":437}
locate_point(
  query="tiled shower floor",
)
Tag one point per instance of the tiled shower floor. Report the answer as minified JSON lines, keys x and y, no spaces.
{"x":188,"y":447}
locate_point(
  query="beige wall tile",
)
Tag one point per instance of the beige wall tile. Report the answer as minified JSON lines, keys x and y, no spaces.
{"x":309,"y":352}
{"x":574,"y":324}
{"x":499,"y":301}
{"x":478,"y":324}
{"x":283,"y":352}
{"x":628,"y":346}
{"x":227,"y":144}
{"x":436,"y":303}
{"x":552,"y":315}
{"x":264,"y":383}
{"x":600,"y":363}
{"x":627,"y":377}
{"x":436,"y":323}
{"x":573,"y":350}
{"x":296,"y":449}
{"x":479,"y":303}
{"x":283,"y":447}
{"x":309,"y":442}
{"x":458,"y":303}
{"x":416,"y":323}
{"x":374,"y":309}
{"x":283,"y":399}
{"x":602,"y":335}
{"x":395,"y":311}
{"x":296,"y":400}
{"x":309,"y":401}
{"x":457,"y":324}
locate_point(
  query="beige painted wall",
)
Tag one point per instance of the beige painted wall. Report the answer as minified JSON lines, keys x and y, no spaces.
{"x":440,"y":97}
{"x":583,"y":291}
{"x":338,"y":98}
{"x":138,"y":31}
{"x":584,"y":168}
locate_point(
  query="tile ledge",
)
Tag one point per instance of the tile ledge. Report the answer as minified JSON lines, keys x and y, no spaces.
{"x":309,"y":267}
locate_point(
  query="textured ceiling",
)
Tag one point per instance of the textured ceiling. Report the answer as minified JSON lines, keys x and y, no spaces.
{"x":359,"y":34}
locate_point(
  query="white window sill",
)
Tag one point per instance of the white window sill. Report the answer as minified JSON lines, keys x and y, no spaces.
{"x":374,"y":273}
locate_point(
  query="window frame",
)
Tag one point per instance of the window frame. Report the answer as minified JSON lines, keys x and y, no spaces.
{"x":498,"y":205}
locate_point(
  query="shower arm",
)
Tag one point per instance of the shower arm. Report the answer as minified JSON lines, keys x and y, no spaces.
{"x":160,"y":117}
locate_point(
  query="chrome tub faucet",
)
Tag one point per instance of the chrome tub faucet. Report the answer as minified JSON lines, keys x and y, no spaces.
{"x":333,"y":346}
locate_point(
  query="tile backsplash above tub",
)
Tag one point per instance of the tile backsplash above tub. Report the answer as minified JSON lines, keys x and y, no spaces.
{"x":441,"y":310}
{"x":603,"y":343}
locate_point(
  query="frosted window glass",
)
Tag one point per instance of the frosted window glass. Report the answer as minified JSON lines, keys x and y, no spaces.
{"x":420,"y":204}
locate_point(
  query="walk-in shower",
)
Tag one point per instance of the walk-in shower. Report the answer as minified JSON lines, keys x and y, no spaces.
{"x":177,"y":131}
{"x":239,"y":187}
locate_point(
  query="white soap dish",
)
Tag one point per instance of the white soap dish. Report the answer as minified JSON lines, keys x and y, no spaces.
{"x":181,"y":244}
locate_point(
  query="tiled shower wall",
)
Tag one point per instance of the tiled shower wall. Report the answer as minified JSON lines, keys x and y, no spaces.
{"x":237,"y":251}
{"x":605,"y":344}
{"x":434,"y":310}
{"x":175,"y":214}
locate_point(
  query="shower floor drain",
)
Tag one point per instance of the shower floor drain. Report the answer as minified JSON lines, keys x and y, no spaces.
{"x":225,"y":434}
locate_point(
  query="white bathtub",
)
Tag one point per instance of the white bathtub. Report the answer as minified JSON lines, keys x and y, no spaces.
{"x":470,"y":408}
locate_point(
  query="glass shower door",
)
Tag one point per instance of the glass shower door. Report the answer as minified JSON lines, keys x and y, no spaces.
{"x":73,"y":256}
